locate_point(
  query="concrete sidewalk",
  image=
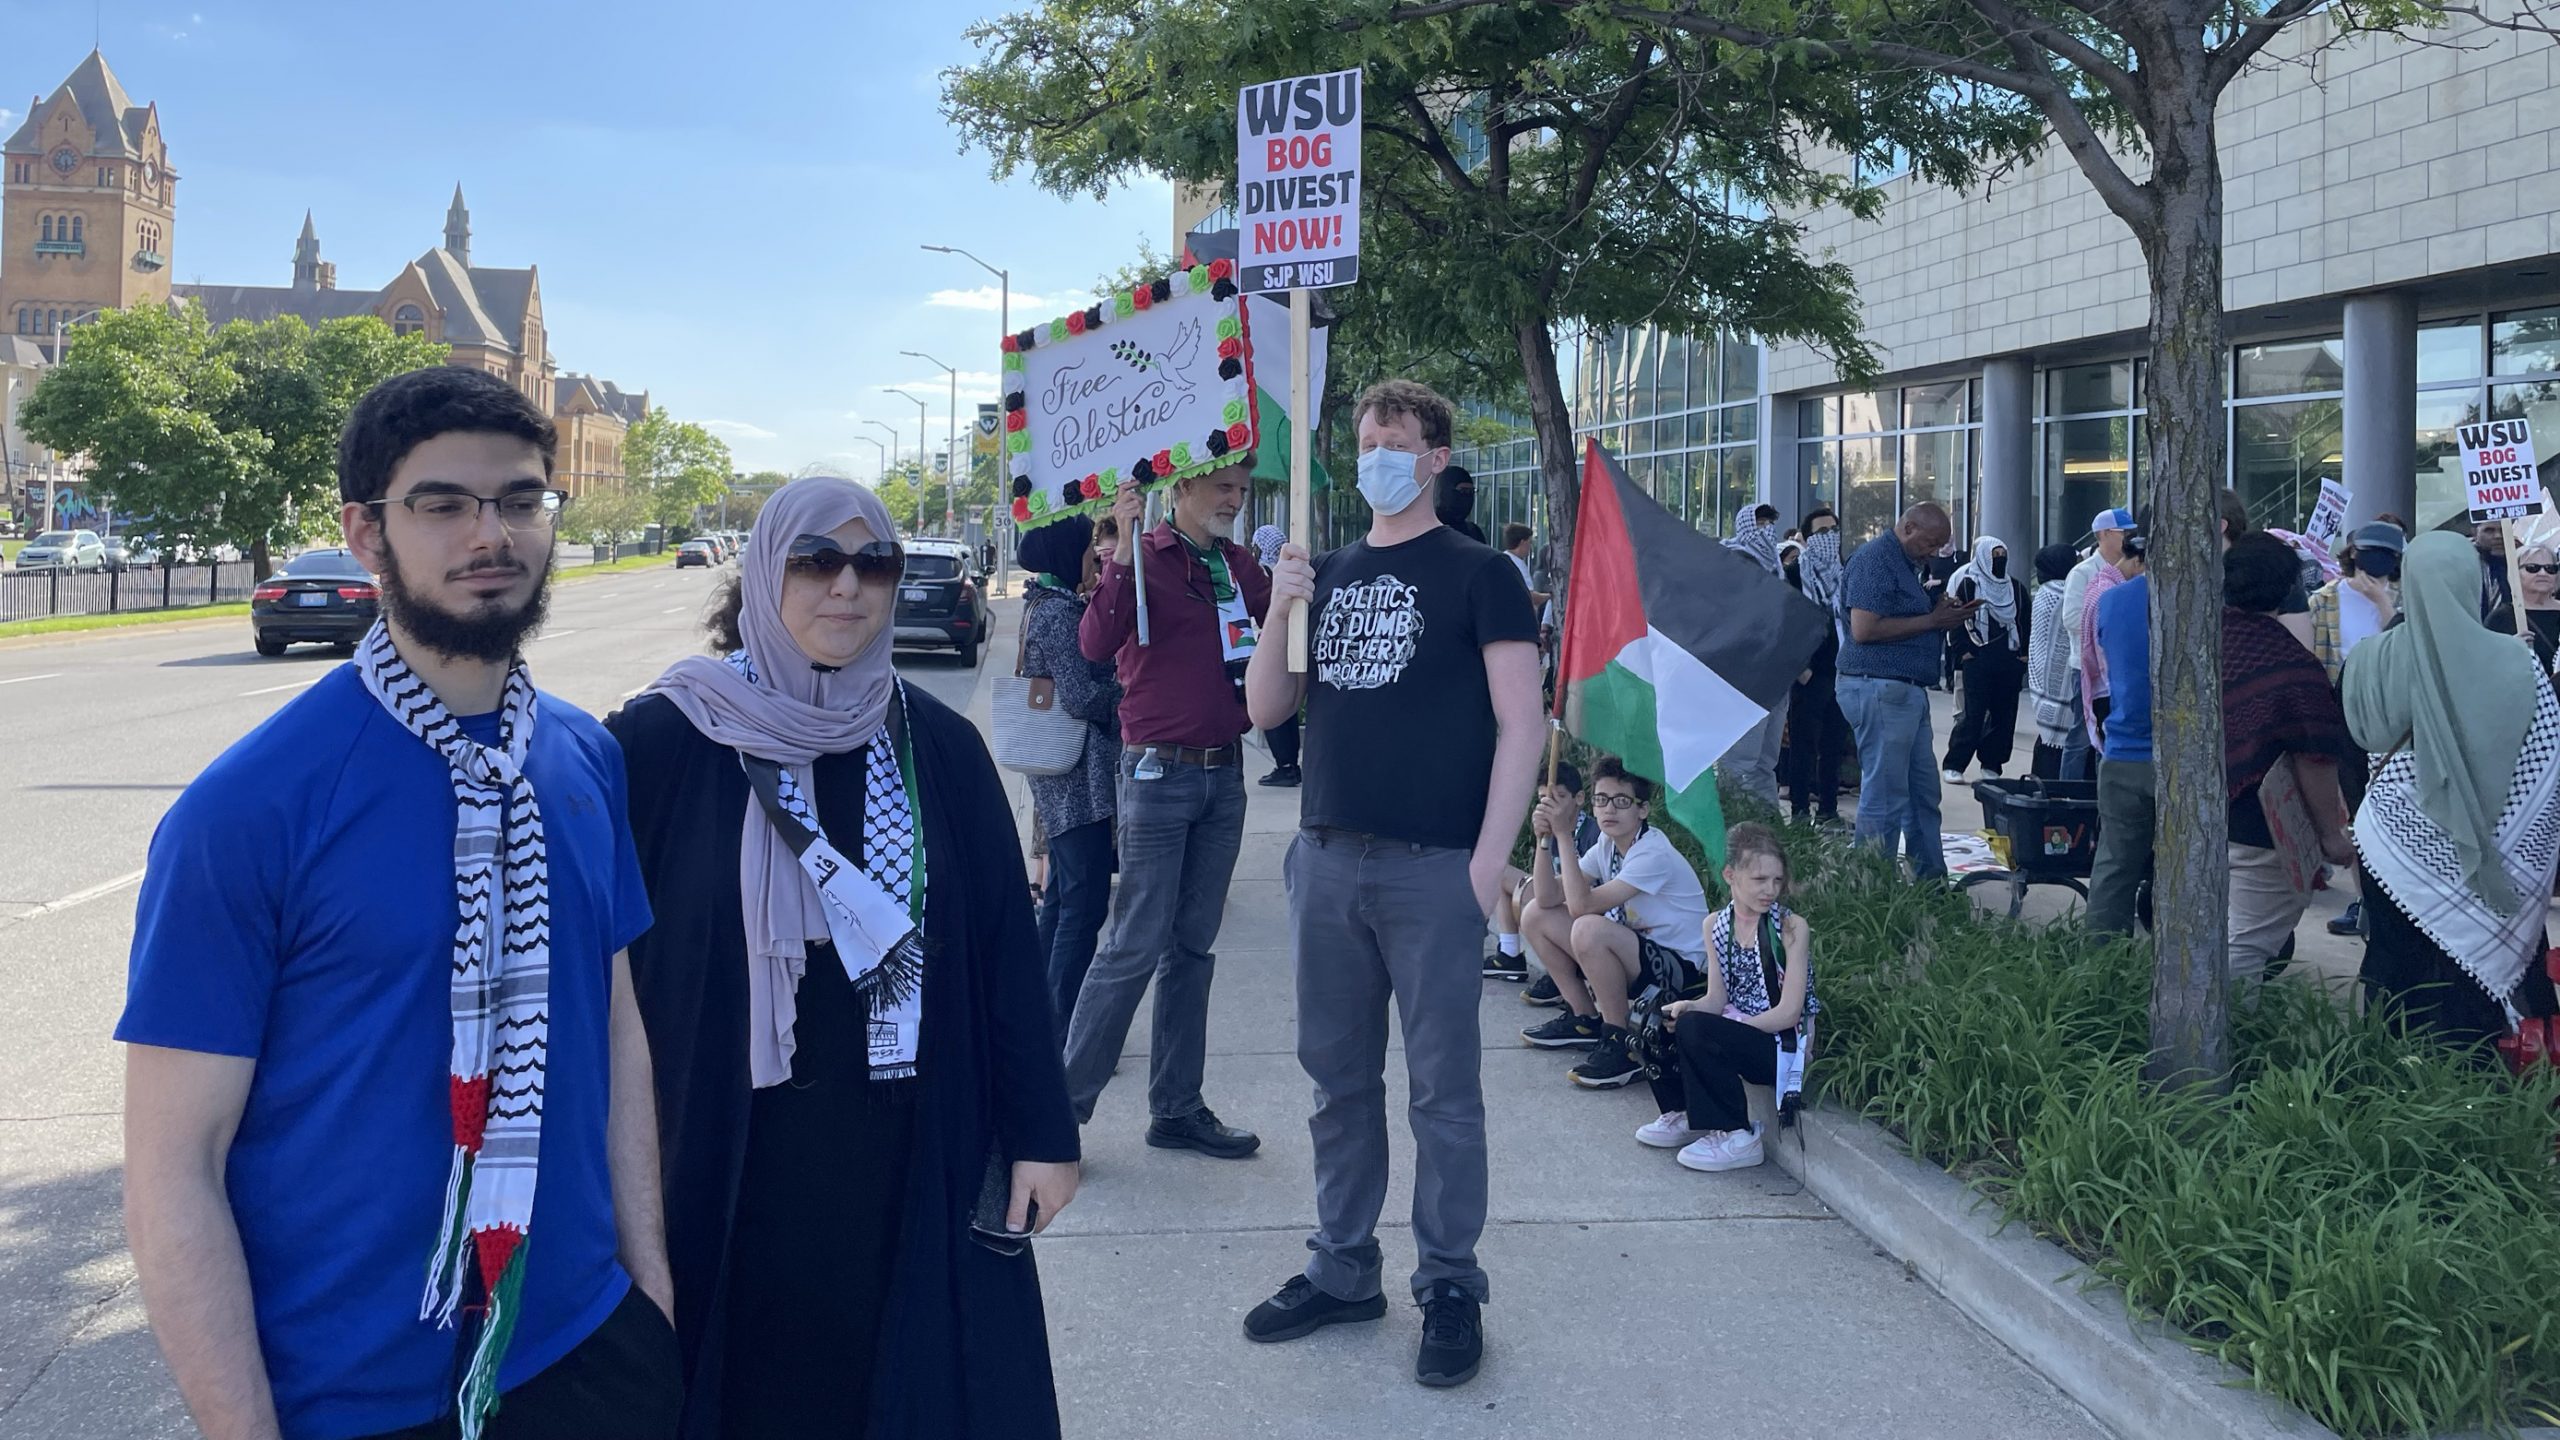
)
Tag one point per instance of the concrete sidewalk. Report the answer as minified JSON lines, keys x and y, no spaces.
{"x":1628,"y":1293}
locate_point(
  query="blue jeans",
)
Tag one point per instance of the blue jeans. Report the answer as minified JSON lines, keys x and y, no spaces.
{"x":1179,"y":834}
{"x":1897,"y":770}
{"x":1071,"y":915}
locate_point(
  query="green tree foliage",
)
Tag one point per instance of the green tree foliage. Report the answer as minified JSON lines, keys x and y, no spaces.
{"x":218,"y":438}
{"x":607,"y":515}
{"x":674,"y":466}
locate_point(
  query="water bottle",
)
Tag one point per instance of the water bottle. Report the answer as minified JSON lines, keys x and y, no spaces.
{"x":1148,"y":767}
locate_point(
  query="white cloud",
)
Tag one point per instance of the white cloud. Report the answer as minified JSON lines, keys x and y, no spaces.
{"x":736,"y":429}
{"x":991,"y":299}
{"x":974,"y":385}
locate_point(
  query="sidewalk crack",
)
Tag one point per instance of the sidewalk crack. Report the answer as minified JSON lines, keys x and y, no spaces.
{"x":78,"y":1331}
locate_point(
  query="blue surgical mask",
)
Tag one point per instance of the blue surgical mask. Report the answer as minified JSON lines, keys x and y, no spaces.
{"x":1386,"y":480}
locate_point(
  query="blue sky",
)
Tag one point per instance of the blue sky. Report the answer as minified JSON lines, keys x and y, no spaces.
{"x":725,"y":199}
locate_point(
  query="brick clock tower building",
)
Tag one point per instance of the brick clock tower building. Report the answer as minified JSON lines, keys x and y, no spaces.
{"x":87,"y":200}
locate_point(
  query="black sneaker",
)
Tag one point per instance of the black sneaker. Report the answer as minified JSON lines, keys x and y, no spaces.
{"x":1452,"y":1337}
{"x":1284,"y":777}
{"x":1565,"y":1032}
{"x":1542,"y":991}
{"x":1608,"y":1066}
{"x":1301,"y":1309}
{"x":1498,"y":966}
{"x":1202,"y":1131}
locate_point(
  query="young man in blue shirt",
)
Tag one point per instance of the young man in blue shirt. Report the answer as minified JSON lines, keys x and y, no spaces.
{"x":2127,"y":807}
{"x":390,"y":1147}
{"x":1889,"y":658}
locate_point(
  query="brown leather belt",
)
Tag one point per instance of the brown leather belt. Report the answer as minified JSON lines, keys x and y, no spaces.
{"x":1217,"y":758}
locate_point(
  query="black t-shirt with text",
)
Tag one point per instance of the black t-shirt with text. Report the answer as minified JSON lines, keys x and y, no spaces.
{"x":1400,"y":727}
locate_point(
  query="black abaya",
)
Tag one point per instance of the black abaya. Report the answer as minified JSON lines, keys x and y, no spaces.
{"x":779,"y":1201}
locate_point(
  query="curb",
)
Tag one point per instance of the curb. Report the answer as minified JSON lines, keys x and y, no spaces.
{"x":2135,"y":1376}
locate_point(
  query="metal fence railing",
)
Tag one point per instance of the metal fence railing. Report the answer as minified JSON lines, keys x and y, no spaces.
{"x":36,"y":594}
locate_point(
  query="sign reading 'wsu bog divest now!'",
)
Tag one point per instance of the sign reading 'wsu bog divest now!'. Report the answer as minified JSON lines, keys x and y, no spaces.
{"x":1144,"y":387}
{"x":2498,"y":470}
{"x":1298,"y":183}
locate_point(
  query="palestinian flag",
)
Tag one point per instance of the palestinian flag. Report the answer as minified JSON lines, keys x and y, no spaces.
{"x":1674,"y":646}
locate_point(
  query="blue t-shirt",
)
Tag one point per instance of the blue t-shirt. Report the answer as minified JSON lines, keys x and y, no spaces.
{"x":299,"y":910}
{"x":1882,"y":580}
{"x":2124,"y":637}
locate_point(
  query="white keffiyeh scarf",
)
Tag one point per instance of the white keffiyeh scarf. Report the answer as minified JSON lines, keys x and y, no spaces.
{"x":501,"y":991}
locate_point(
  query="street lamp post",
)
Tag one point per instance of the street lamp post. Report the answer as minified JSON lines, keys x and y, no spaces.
{"x":951,"y":452}
{"x":1004,"y":322}
{"x":922,"y":412}
{"x":892,"y":446}
{"x":883,"y":449}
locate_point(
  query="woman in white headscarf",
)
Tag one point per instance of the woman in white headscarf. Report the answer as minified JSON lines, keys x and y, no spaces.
{"x":848,"y":1015}
{"x":1992,"y":646}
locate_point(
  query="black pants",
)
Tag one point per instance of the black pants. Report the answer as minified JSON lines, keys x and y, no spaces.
{"x":1717,"y":1057}
{"x":1986,"y":726}
{"x":2426,"y":991}
{"x":1071,"y":913}
{"x":1283,"y":739}
{"x":1817,"y":741}
{"x":624,"y":1382}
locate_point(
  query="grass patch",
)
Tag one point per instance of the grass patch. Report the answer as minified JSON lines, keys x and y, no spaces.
{"x":616,"y":567}
{"x":65,"y":624}
{"x":2366,"y":1224}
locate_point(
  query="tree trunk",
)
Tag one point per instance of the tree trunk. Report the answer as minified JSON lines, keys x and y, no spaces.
{"x":1558,"y":465}
{"x":261,"y":565}
{"x":2190,"y":997}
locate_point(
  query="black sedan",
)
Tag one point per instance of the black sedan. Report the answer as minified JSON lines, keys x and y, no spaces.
{"x":322,"y":596}
{"x":942,"y":599}
{"x":696,"y":553}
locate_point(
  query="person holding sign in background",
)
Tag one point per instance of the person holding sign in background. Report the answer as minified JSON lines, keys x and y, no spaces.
{"x":1423,"y":726}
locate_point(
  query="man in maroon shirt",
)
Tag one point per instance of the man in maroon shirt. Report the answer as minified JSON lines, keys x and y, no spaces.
{"x":1181,"y":797}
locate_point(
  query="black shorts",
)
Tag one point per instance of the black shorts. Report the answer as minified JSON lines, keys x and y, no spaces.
{"x":624,"y":1382}
{"x":1659,"y":964}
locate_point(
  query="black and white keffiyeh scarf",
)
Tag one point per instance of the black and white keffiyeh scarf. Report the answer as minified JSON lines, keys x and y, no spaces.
{"x":875,"y":911}
{"x":500,"y":1006}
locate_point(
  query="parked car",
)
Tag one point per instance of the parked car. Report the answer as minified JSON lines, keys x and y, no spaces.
{"x":64,"y":550}
{"x":322,"y":596}
{"x":694,"y":553}
{"x":124,"y":552}
{"x":942,"y":599}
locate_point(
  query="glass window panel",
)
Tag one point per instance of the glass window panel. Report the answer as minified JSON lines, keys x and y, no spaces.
{"x":1640,"y":438}
{"x":2291,"y":367}
{"x":1934,"y":404}
{"x":1863,"y":413}
{"x":1737,"y":423}
{"x":2449,"y":352}
{"x":1817,"y":471}
{"x":1647,"y":348}
{"x":1818,"y":417}
{"x":1737,"y":482}
{"x":1973,"y":401}
{"x":1868,"y":486}
{"x":1702,"y":372}
{"x":1698,"y":423}
{"x":1672,"y":381}
{"x":1741,"y":369}
{"x":2087,"y":467}
{"x":2538,"y":402}
{"x":2440,"y":492}
{"x":2082,"y":389}
{"x":1971,"y":520}
{"x":2279,"y":455}
{"x":1934,"y":470}
{"x":2525,"y":342}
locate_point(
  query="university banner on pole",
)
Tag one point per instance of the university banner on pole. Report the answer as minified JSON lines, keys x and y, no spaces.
{"x":990,"y":429}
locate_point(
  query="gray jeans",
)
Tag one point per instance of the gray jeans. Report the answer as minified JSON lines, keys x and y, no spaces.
{"x":2127,"y":811}
{"x":1178,"y":840}
{"x":1377,"y":920}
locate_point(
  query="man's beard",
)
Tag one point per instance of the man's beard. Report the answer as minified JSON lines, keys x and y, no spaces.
{"x":490,"y":637}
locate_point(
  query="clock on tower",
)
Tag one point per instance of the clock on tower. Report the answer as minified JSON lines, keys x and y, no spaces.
{"x":65,"y":160}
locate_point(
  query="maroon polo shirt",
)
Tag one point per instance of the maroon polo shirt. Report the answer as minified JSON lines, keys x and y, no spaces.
{"x":1174,"y":690}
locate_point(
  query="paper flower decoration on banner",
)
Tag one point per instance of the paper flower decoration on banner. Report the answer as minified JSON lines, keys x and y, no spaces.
{"x":1146,"y":386}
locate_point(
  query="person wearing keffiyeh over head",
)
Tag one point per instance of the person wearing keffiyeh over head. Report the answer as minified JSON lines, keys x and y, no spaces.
{"x":1817,"y":733}
{"x":1752,"y":762}
{"x":852,"y":1021}
{"x":390,"y":1154}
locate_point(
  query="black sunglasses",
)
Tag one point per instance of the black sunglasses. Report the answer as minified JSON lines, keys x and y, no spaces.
{"x":821,"y":556}
{"x":2532,"y":569}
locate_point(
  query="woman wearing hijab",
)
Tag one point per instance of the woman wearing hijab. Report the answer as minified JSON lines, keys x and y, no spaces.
{"x":2457,"y":834}
{"x":1074,"y":809}
{"x":851,"y":1029}
{"x":2062,"y":736}
{"x":1818,"y":734}
{"x":1993,"y":645}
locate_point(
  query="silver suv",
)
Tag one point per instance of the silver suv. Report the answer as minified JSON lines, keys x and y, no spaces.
{"x":64,"y":550}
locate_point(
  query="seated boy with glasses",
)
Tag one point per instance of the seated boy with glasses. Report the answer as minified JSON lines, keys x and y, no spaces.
{"x":1631,"y":913}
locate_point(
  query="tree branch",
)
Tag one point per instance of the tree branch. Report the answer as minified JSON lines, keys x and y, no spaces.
{"x":1426,"y":138}
{"x":2225,"y":63}
{"x":2015,"y":24}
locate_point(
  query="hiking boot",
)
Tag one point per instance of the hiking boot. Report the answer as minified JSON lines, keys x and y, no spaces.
{"x":1498,"y":966}
{"x":1723,"y":1150}
{"x":1201,"y":1130}
{"x":1542,"y":991}
{"x":1608,"y":1066}
{"x":1452,"y":1337}
{"x":1671,"y":1132}
{"x":1567,"y":1031}
{"x":1299,"y":1308}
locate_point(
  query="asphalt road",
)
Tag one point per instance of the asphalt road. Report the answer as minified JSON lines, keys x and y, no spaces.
{"x":98,"y":734}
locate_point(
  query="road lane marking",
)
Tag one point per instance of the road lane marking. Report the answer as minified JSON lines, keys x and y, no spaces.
{"x":81,"y":897}
{"x":23,"y":679}
{"x":556,"y":635}
{"x":278,"y":689}
{"x":670,"y":610}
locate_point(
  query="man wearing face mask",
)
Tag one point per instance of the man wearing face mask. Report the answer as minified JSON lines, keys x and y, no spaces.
{"x":1423,"y":731}
{"x":1456,"y":502}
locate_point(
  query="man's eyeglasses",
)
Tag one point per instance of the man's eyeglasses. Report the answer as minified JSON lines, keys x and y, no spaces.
{"x":455,"y":509}
{"x":1615,"y":802}
{"x":2530,"y":568}
{"x":821,"y":556}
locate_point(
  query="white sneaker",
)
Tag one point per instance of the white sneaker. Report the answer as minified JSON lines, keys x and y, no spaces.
{"x":1723,"y":1150}
{"x":1952,"y":777}
{"x":1668,"y":1133}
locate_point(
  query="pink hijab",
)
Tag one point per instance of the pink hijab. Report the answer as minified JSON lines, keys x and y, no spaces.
{"x":791,"y":714}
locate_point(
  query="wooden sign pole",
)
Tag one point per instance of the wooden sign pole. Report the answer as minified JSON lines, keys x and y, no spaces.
{"x":1301,"y":457}
{"x":2515,"y":577}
